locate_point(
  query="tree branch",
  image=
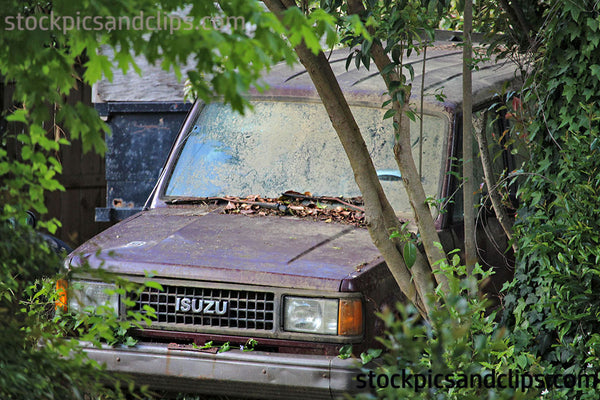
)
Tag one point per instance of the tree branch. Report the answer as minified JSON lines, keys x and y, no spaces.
{"x":503,"y":218}
{"x":381,"y":217}
{"x":406,"y":163}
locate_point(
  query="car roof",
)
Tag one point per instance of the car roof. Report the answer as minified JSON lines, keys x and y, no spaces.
{"x":366,"y":87}
{"x":361,"y":86}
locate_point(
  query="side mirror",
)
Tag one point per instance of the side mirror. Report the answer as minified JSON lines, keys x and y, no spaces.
{"x":31,"y":219}
{"x":389,"y":175}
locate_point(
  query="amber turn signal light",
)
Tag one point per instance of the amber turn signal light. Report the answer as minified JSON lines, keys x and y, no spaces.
{"x":61,"y":295}
{"x":350,"y":319}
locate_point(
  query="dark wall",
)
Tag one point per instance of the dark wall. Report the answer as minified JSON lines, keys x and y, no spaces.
{"x":83,"y":178}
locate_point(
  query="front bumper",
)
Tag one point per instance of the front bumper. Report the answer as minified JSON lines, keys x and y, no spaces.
{"x":247,"y":374}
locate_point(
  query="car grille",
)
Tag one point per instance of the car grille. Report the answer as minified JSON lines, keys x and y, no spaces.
{"x":209,"y":307}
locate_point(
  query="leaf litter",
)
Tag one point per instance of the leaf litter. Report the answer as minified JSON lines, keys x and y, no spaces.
{"x":325,"y":209}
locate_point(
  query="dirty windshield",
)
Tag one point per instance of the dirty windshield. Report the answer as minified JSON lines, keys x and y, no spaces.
{"x":281,"y":146}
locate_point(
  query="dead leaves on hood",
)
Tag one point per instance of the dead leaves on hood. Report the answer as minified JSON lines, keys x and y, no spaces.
{"x":326,"y":210}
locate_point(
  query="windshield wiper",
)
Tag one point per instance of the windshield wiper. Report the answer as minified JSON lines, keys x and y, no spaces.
{"x":188,"y":200}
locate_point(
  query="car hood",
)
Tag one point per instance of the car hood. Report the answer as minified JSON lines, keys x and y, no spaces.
{"x":194,"y":243}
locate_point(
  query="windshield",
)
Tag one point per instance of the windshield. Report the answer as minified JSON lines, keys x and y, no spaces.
{"x":281,"y":146}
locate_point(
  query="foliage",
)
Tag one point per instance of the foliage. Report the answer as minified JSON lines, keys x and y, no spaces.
{"x":44,"y":65}
{"x":41,"y":67}
{"x":554,"y":300}
{"x":403,"y":26}
{"x":33,"y":351}
{"x":438,"y":359}
{"x":101,"y":324}
{"x":499,"y":21}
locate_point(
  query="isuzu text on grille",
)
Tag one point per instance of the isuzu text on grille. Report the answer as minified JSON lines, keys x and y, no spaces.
{"x":185,"y":304}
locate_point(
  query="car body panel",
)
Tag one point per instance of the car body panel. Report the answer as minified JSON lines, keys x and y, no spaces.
{"x":234,"y":373}
{"x":279,"y":251}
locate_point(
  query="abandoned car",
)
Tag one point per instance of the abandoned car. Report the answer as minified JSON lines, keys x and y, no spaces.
{"x":256,"y":234}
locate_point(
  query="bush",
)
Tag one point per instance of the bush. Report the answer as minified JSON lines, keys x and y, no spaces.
{"x":36,"y":360}
{"x":554,"y":302}
{"x":459,"y":354}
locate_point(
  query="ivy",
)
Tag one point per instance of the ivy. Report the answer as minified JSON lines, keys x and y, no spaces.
{"x":438,"y":359}
{"x":554,"y":301}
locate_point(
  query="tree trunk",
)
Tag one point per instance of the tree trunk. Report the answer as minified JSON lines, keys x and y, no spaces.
{"x":380,"y":215}
{"x":406,"y":163}
{"x":467,"y":144}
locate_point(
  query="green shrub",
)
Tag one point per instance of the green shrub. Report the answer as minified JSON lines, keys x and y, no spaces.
{"x":459,"y":354}
{"x":553,"y":305}
{"x":37,"y":360}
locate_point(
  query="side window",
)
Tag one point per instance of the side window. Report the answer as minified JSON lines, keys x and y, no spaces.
{"x":491,"y":124}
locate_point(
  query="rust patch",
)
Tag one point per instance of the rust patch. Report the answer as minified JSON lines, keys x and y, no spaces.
{"x":191,"y":347}
{"x":117,"y":203}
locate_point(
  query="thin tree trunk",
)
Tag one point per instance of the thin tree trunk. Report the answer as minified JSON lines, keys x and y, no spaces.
{"x":467,"y":144}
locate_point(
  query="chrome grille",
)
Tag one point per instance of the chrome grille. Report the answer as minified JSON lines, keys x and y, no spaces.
{"x":243,"y":309}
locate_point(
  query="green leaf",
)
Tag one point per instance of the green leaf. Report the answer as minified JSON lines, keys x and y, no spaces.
{"x":345,"y":351}
{"x":207,"y":345}
{"x":388,"y":68}
{"x":154,"y":285}
{"x":311,"y":40}
{"x":18,"y":115}
{"x":96,"y":67}
{"x":250,"y":345}
{"x":370,"y":355}
{"x":410,"y":254}
{"x":349,"y":60}
{"x":522,"y":361}
{"x":389,"y":113}
{"x":411,"y":71}
{"x":224,"y":347}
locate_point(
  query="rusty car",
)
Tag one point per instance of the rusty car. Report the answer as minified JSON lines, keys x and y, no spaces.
{"x":255,"y":232}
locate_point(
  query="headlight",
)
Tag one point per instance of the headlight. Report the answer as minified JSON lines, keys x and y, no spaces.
{"x":87,"y":295}
{"x":323,"y":316}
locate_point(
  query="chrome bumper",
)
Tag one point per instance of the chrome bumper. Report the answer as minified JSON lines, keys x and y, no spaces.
{"x":235,"y":373}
